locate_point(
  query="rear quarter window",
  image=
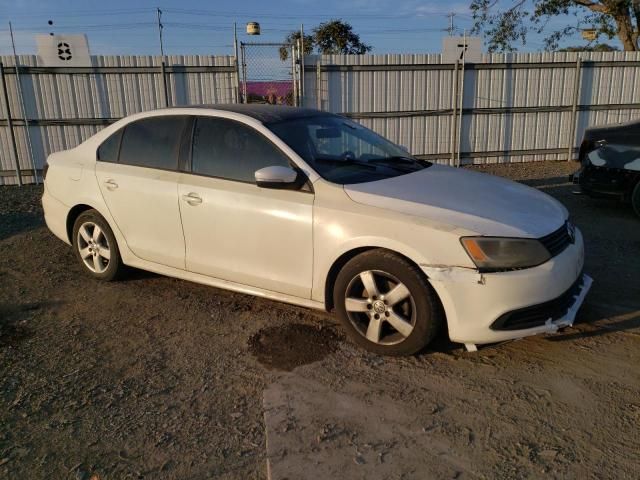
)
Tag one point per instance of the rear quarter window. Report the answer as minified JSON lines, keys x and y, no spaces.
{"x":108,"y":150}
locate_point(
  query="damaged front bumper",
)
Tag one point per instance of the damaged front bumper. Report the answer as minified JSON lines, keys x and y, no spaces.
{"x":494,"y":307}
{"x":553,"y":312}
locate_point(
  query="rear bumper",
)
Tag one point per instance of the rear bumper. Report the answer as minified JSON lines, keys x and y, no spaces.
{"x":605,"y":181}
{"x":55,"y":215}
{"x":474,"y":302}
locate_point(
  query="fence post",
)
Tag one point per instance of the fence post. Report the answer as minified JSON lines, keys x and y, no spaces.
{"x":454,"y":107}
{"x":574,"y":108}
{"x":244,"y":72}
{"x":164,"y":82}
{"x":318,"y":85}
{"x":461,"y":109}
{"x":23,"y":108}
{"x":235,"y":54}
{"x":12,"y":134}
{"x":302,"y":91}
{"x":293,"y":73}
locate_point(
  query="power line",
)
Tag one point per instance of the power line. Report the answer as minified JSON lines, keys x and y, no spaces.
{"x":124,"y":26}
{"x":291,"y":16}
{"x":85,"y":13}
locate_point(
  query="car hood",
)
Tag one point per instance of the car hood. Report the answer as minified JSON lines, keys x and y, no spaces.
{"x":482,"y":203}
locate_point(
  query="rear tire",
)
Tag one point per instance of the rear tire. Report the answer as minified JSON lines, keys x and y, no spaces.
{"x":95,"y":247}
{"x":386,"y":305}
{"x":635,"y":199}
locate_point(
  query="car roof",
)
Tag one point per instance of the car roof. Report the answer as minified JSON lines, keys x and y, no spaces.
{"x":614,"y":132}
{"x":266,"y":113}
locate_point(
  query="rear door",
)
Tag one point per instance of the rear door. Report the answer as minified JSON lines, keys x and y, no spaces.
{"x":138,"y":177}
{"x":235,"y":230}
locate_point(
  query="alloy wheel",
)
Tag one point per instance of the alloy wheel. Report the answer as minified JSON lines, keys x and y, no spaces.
{"x":93,"y":247}
{"x":380,"y":307}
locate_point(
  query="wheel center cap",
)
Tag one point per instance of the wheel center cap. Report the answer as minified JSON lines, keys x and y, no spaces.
{"x":379,"y":306}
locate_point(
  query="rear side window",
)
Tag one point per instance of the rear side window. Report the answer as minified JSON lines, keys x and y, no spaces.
{"x":152,"y":142}
{"x":228,"y":149}
{"x":108,"y":150}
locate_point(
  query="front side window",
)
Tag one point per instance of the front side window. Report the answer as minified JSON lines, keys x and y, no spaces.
{"x":228,"y":149}
{"x":108,"y":150}
{"x":152,"y":142}
{"x":343,"y":151}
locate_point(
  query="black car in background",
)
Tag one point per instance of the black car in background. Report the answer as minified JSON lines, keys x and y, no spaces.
{"x":610,"y":158}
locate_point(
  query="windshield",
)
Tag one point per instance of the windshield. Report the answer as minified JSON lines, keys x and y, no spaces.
{"x":345,"y":152}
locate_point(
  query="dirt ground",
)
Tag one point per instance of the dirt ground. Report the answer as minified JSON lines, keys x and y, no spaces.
{"x":153,"y":377}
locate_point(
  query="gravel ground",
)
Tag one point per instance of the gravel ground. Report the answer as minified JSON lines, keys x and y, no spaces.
{"x":530,"y":171}
{"x":153,"y":377}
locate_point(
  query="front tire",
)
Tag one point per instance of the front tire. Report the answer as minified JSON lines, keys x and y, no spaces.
{"x":386,"y":304}
{"x":95,"y":247}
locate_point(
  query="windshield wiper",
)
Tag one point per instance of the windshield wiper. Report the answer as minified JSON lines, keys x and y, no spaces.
{"x":400,"y":163}
{"x":344,"y":161}
{"x":401,"y":159}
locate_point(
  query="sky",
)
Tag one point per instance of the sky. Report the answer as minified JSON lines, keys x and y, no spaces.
{"x":128,"y":27}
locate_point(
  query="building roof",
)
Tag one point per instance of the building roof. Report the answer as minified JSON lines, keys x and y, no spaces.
{"x":266,"y":113}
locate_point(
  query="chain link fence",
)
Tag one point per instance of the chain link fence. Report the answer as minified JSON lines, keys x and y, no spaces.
{"x":270,"y":73}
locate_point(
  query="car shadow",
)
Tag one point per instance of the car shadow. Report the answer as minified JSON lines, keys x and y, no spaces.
{"x":596,"y":320}
{"x":13,"y":328}
{"x":441,"y":344}
{"x":133,"y":274}
{"x":16,"y":223}
{"x":548,"y":181}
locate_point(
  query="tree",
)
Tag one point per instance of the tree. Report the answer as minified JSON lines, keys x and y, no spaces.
{"x":504,"y":27}
{"x":293,"y":37}
{"x":337,"y":37}
{"x":334,"y":36}
{"x":598,"y":47}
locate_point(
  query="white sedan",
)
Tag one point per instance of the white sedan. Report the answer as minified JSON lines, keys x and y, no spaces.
{"x":310,"y":208}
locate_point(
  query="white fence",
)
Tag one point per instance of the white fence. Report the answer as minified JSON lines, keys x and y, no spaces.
{"x":515,"y":107}
{"x":66,"y":105}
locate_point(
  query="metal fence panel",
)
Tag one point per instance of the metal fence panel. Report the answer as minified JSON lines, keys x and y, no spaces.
{"x":65,"y":107}
{"x":517,"y":107}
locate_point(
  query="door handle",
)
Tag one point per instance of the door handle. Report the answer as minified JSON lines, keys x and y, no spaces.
{"x":192,"y":199}
{"x":110,"y":184}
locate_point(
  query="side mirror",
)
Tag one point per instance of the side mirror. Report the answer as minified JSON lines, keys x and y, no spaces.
{"x":405,"y":148}
{"x":277,"y":177}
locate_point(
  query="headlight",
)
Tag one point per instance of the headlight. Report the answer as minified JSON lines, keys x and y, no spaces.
{"x":494,"y":253}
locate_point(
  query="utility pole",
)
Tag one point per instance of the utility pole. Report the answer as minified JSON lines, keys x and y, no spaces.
{"x":160,"y":27}
{"x":451,"y":28}
{"x":163,"y":72}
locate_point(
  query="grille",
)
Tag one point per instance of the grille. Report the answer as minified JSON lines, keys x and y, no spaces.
{"x":557,"y":241}
{"x":537,"y":315}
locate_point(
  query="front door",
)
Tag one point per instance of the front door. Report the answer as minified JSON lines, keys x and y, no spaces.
{"x":235,"y":230}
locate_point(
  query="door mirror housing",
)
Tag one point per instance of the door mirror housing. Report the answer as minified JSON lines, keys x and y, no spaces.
{"x":277,"y":176}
